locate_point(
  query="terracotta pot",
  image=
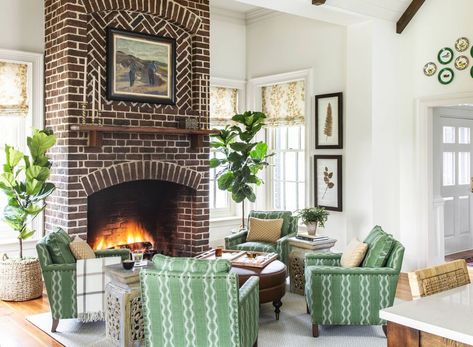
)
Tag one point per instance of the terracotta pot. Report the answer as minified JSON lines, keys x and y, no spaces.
{"x":311,"y":228}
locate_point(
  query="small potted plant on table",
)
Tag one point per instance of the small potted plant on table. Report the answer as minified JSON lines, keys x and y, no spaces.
{"x":23,"y":181}
{"x":313,"y":217}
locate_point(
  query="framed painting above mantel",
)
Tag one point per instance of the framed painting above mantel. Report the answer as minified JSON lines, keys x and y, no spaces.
{"x":328,"y":182}
{"x":329,"y":121}
{"x":141,"y":67}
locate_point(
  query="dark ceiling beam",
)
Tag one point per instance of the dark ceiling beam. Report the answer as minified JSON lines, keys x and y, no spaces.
{"x":408,"y":15}
{"x":318,"y":2}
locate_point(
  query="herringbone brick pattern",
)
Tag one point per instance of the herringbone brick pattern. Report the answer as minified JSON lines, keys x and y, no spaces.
{"x":75,"y":29}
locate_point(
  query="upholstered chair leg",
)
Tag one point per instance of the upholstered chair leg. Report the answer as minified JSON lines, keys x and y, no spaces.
{"x":307,"y":309}
{"x":315,"y":330}
{"x":385,"y":330}
{"x":54,"y":326}
{"x":256,"y":343}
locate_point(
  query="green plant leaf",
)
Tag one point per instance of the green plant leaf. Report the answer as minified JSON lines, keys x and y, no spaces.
{"x":26,"y":234}
{"x":260,"y":150}
{"x":33,"y":186}
{"x":39,"y":143}
{"x":214,"y":162}
{"x":46,"y":190}
{"x":225,"y":180}
{"x":37,"y":172}
{"x":34,"y":209}
{"x":7,"y":180}
{"x":13,"y":156}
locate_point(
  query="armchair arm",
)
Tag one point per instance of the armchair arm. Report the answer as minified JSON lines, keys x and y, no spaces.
{"x":322,"y":259}
{"x":232,"y":240}
{"x":104,"y":253}
{"x":59,"y":267}
{"x":355,"y":271}
{"x":249,"y":311}
{"x":282,"y":247}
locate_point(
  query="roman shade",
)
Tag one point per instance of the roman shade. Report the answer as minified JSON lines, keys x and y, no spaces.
{"x":13,"y":89}
{"x":284,"y":103}
{"x":223,"y":105}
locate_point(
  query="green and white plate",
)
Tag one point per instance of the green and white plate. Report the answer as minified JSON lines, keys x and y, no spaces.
{"x":462,"y":62}
{"x":471,"y":72}
{"x":462,"y":44}
{"x":430,"y":69}
{"x":445,"y":55}
{"x":446,"y":75}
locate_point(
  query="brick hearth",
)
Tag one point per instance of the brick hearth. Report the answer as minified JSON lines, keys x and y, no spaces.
{"x":76,"y":29}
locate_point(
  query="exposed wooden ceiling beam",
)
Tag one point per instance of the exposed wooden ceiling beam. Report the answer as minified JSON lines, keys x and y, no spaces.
{"x":408,"y":15}
{"x":318,"y":2}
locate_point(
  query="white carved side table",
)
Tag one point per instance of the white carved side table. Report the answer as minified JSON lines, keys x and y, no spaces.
{"x":297,"y":250}
{"x":123,"y":317}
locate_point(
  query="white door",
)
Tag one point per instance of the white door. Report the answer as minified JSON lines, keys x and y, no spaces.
{"x":453,"y":151}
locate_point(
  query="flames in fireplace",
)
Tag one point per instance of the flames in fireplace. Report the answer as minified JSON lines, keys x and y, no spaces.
{"x":130,"y":234}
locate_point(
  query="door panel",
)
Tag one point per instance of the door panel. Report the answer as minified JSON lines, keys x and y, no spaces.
{"x":453,"y":150}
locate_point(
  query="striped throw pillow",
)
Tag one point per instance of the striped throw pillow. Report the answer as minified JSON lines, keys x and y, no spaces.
{"x":264,"y":230}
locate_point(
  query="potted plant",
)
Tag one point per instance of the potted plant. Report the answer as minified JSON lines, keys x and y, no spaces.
{"x":313,"y":217}
{"x":241,"y":157}
{"x":24,"y":182}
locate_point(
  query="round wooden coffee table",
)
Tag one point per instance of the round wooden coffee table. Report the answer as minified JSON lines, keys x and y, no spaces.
{"x":272,"y":282}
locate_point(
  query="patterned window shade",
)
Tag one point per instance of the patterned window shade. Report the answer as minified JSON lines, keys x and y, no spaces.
{"x":223,"y":105}
{"x":284,"y":104}
{"x":13,"y":89}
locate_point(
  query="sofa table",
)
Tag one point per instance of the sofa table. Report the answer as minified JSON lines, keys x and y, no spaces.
{"x":297,"y":250}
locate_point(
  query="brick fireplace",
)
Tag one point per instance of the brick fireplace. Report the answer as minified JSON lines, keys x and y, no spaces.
{"x":127,"y":162}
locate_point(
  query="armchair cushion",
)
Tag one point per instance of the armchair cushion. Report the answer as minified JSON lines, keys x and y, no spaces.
{"x":378,"y":251}
{"x":256,"y":247}
{"x":174,"y":264}
{"x":57,"y":243}
{"x":265,"y":230}
{"x":354,"y":254}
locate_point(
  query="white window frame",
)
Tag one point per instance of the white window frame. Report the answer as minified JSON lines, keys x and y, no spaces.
{"x":254,"y":92}
{"x":34,"y":119}
{"x":231,"y":211}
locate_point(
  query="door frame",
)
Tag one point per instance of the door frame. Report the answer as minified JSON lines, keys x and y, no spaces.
{"x":429,"y":223}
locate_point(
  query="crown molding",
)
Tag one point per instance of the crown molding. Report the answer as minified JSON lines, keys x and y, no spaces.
{"x":260,"y":14}
{"x":227,"y":15}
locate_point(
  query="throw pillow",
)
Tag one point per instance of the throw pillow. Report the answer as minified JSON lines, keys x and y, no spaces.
{"x":181,"y":264}
{"x":81,"y":249}
{"x":378,"y":251}
{"x":57,"y":243}
{"x":264,"y":230}
{"x":354,"y":253}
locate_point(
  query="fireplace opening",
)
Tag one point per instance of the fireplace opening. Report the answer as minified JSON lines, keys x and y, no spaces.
{"x":138,"y":215}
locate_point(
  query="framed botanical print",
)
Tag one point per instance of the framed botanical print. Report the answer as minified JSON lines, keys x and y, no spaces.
{"x":141,"y":67}
{"x":328,"y":181}
{"x":329,"y":121}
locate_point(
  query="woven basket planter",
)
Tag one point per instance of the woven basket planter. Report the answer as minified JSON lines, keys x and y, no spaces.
{"x":20,"y":279}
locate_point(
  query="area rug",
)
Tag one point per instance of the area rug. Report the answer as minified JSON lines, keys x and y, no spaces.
{"x":294,"y":329}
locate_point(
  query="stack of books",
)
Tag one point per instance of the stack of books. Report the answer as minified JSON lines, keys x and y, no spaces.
{"x":312,"y":238}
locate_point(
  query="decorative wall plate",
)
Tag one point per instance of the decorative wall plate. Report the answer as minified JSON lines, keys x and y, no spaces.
{"x":462,"y":62}
{"x":471,"y":51}
{"x":445,"y":55}
{"x":446,"y":75}
{"x":430,"y":69}
{"x":462,"y":44}
{"x":471,"y":72}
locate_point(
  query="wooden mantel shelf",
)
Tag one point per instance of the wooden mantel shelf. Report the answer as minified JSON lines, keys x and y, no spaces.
{"x":96,"y":131}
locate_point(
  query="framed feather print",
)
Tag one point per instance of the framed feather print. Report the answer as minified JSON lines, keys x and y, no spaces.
{"x":328,"y":182}
{"x":329,"y":121}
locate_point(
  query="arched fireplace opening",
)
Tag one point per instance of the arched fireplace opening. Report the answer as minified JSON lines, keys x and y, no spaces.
{"x":138,"y":215}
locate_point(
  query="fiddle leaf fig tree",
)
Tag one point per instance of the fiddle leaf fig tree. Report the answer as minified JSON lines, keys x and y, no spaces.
{"x":240,"y":157}
{"x":23,"y":180}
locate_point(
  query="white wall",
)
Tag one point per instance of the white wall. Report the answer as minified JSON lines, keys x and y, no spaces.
{"x":227,"y":44}
{"x":285,"y":43}
{"x":22,"y":25}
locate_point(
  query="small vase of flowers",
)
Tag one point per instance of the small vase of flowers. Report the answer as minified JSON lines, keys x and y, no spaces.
{"x":313,"y":217}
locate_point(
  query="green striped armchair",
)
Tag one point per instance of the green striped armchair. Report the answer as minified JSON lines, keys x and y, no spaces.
{"x":189,"y":302}
{"x":289,"y":229}
{"x":353,"y":296}
{"x":59,"y":273}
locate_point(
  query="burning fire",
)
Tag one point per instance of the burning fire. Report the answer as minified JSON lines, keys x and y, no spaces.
{"x":130,"y":232}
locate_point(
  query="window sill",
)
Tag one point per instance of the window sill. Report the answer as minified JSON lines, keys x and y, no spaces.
{"x":11,"y":247}
{"x":224,"y":219}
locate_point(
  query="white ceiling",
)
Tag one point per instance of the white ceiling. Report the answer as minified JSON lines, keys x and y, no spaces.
{"x":231,"y":5}
{"x":343,"y":12}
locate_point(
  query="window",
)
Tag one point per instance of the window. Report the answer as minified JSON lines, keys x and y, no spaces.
{"x":223,"y":106}
{"x":284,"y":105}
{"x":20,"y":110}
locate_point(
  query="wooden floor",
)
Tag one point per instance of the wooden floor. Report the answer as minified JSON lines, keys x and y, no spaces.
{"x":16,"y":331}
{"x":460,"y":255}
